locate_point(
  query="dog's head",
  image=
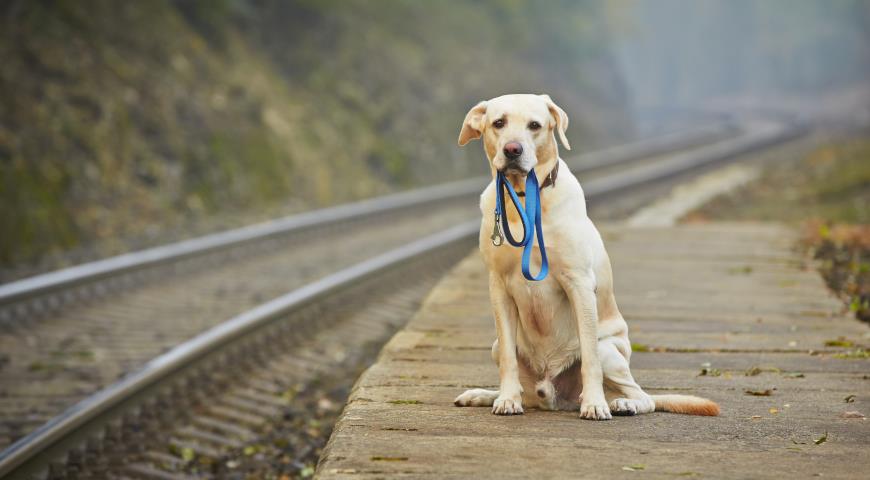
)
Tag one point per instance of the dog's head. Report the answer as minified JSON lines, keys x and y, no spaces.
{"x":518,"y":130}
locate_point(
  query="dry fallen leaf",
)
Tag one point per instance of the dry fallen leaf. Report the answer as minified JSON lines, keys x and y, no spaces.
{"x":773,"y":410}
{"x":761,"y":393}
{"x":852,"y":414}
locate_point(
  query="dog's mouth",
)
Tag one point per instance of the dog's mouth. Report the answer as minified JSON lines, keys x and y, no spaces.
{"x":513,"y":169}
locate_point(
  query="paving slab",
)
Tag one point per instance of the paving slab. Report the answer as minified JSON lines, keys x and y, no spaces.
{"x":735,"y":301}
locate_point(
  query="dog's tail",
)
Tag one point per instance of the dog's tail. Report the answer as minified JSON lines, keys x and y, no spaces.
{"x":685,"y":404}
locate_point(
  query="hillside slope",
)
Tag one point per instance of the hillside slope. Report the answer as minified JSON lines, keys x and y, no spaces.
{"x":124,"y":120}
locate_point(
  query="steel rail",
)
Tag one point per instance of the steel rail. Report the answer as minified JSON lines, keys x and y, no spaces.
{"x":18,"y":293}
{"x":188,"y":353}
{"x":31,"y":452}
{"x":763,"y":134}
{"x":652,"y":146}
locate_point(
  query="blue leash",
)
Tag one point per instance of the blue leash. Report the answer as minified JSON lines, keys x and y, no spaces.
{"x":530,"y":216}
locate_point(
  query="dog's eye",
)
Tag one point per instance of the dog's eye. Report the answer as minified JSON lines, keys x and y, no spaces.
{"x":534,"y":126}
{"x":498,"y":123}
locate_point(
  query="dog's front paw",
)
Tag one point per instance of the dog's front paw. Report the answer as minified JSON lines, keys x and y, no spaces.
{"x":508,"y":405}
{"x":594,"y":409}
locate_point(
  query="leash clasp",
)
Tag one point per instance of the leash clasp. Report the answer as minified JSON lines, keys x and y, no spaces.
{"x":497,"y":237}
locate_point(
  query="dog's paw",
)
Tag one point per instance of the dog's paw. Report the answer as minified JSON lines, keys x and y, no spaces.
{"x":594,"y":410}
{"x":623,"y":407}
{"x":476,"y":397}
{"x":508,"y":405}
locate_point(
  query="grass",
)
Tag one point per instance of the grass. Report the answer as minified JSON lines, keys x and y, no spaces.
{"x":843,"y":252}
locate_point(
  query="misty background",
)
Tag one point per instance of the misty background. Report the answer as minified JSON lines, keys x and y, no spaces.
{"x":127,"y":124}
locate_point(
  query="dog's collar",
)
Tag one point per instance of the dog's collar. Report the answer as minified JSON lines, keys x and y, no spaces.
{"x":550,"y":181}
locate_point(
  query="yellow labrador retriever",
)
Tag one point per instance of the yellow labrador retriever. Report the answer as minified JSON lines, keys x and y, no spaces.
{"x":561,"y":342}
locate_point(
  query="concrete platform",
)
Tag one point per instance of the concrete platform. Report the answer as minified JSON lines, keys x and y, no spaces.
{"x":728,"y":297}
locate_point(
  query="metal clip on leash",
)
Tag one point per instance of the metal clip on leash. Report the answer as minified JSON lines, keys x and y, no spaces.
{"x":497,"y":237}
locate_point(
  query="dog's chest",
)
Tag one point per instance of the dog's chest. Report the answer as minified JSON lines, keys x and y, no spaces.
{"x":538,"y":302}
{"x":535,"y":300}
{"x":506,"y":258}
{"x":546,"y":332}
{"x":546,"y":329}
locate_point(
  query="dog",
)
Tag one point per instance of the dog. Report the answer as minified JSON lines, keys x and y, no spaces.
{"x":562,"y":343}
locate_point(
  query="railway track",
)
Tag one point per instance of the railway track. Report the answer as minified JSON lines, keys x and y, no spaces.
{"x":68,"y":333}
{"x":41,"y":295}
{"x":211,"y":395}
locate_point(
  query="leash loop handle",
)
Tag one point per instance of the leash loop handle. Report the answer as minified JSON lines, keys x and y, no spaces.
{"x":501,"y":185}
{"x":531,"y":219}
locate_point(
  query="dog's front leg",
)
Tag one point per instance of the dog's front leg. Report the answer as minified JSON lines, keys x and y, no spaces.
{"x":580,"y":287}
{"x":509,"y":400}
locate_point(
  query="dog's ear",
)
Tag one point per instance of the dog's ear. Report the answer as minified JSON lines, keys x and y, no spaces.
{"x":560,"y":117}
{"x":472,"y":126}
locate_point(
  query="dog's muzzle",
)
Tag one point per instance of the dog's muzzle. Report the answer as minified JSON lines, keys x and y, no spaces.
{"x":513,"y":153}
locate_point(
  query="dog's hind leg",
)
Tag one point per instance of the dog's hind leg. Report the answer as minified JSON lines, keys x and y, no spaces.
{"x":479,"y":397}
{"x":630,"y":399}
{"x":476,"y":397}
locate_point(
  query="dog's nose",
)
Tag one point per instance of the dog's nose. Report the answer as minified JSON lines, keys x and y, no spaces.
{"x":513,"y":150}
